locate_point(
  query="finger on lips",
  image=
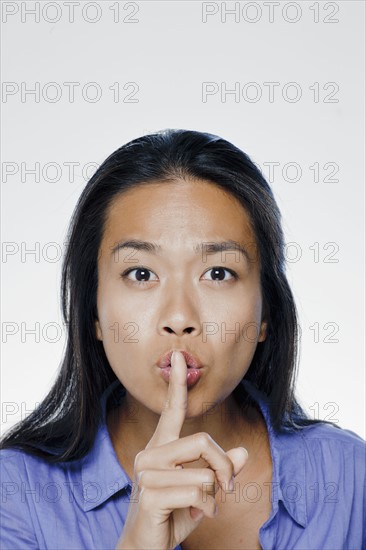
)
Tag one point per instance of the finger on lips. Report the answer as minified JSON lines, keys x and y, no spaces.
{"x":187,"y":449}
{"x":174,"y":412}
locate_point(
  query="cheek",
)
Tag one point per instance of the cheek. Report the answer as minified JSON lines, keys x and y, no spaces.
{"x":237,"y":332}
{"x":126,"y":327}
{"x":119,"y":326}
{"x":121,"y":337}
{"x":118,"y":317}
{"x":238,"y":320}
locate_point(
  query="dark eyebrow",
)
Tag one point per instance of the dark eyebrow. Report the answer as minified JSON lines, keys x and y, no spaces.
{"x":137,"y":245}
{"x":215,"y":247}
{"x":206,"y":248}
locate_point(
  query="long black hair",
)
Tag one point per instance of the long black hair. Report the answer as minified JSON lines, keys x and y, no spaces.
{"x":67,"y":419}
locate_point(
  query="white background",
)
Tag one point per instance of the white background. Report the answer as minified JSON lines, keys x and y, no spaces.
{"x":169,"y":50}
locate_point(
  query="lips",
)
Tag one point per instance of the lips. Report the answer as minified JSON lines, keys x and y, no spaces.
{"x":192,"y":361}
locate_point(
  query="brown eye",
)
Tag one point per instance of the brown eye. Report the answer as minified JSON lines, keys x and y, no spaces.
{"x":142,"y":275}
{"x":218,"y":274}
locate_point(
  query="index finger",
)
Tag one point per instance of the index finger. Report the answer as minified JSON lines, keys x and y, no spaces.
{"x":175,"y":407}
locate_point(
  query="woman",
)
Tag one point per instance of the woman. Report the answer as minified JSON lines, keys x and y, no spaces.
{"x":176,"y":245}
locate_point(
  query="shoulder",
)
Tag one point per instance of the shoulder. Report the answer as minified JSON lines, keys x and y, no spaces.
{"x":320,"y":470}
{"x":11,"y":462}
{"x":337,"y":452}
{"x":25,"y":470}
{"x":14,"y":458}
{"x":14,"y":461}
{"x":327,"y":453}
{"x":329,"y":435}
{"x":32,"y":489}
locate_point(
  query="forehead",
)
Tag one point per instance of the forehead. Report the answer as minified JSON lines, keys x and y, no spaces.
{"x":178,"y":210}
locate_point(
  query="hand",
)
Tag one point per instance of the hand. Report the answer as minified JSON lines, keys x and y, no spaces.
{"x":171,"y":500}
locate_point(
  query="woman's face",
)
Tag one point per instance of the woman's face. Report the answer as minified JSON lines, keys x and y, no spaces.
{"x":172,"y":298}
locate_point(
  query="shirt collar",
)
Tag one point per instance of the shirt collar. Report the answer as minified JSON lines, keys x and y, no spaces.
{"x":288,"y":462}
{"x":103,"y":475}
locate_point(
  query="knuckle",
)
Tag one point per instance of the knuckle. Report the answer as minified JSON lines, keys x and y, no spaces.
{"x":139,"y":460}
{"x":203,"y":439}
{"x":167,"y":405}
{"x":141,"y":478}
{"x":172,"y":404}
{"x":208,"y":476}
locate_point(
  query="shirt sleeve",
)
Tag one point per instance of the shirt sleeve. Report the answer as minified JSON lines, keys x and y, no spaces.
{"x":16,"y":527}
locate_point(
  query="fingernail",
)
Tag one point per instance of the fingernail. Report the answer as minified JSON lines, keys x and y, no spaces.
{"x":173,"y":358}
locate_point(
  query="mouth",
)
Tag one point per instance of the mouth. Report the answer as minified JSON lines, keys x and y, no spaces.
{"x":192,"y":361}
{"x":194,"y":367}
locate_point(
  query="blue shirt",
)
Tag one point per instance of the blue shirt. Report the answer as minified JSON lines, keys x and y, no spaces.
{"x":318,"y":492}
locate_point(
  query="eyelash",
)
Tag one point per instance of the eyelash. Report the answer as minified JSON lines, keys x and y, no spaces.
{"x":142,"y":283}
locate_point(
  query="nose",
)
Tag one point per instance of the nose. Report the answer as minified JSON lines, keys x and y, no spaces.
{"x":179,"y":313}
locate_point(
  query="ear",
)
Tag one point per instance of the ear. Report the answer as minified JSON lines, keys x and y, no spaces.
{"x":98,"y":330}
{"x":263,"y":331}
